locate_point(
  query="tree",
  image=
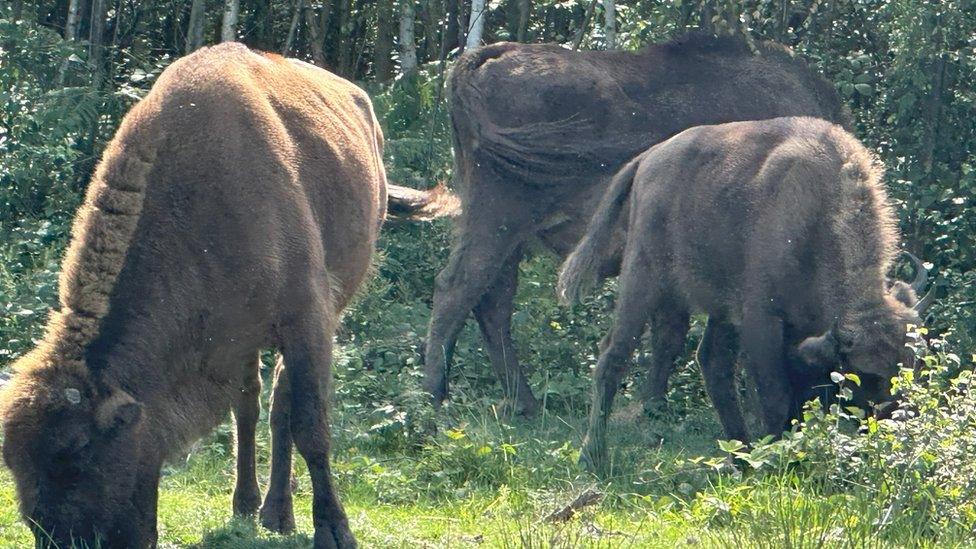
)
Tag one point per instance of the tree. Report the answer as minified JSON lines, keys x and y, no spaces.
{"x":476,"y":26}
{"x":194,"y":32}
{"x":296,"y":16}
{"x":610,"y":24}
{"x":228,"y":26}
{"x":317,"y":27}
{"x":525,"y":10}
{"x":408,"y":46}
{"x":383,"y":47}
{"x":96,"y":42}
{"x":71,"y":26}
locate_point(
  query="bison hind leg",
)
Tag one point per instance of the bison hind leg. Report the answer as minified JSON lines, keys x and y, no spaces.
{"x":247,"y":410}
{"x":277,"y":512}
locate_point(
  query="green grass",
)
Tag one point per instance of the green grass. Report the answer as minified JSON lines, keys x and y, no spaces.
{"x":486,"y":483}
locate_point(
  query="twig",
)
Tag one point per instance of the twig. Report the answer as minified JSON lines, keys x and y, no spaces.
{"x":590,"y":496}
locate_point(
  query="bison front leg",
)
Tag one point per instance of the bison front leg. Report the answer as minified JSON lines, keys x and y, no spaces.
{"x":247,"y":409}
{"x":494,"y":316}
{"x":277,"y":512}
{"x":717,"y":354}
{"x":307,"y":350}
{"x":761,"y":344}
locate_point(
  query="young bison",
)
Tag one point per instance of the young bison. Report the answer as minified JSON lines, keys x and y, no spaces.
{"x":539,"y":132}
{"x":236,"y":208}
{"x":779,"y":230}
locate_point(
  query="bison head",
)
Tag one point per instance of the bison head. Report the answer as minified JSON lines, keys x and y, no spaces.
{"x":73,"y":449}
{"x":871,"y":341}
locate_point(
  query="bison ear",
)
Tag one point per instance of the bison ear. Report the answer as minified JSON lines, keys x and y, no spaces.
{"x":903,"y":293}
{"x":119,"y":410}
{"x":821,"y":350}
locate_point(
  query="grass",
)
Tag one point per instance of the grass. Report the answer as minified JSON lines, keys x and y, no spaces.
{"x":487,"y":483}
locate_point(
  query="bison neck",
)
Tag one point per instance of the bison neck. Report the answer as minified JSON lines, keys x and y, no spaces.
{"x":179,"y":337}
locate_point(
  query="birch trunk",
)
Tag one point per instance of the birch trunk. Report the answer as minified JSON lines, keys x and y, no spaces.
{"x":408,"y":45}
{"x":96,"y":42}
{"x":228,"y":26}
{"x":476,"y":26}
{"x":194,"y":32}
{"x":525,"y":10}
{"x":610,"y":23}
{"x":74,"y":20}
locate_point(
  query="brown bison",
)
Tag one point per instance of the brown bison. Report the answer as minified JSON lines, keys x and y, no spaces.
{"x":780,"y":231}
{"x":236,"y":209}
{"x":538,"y":132}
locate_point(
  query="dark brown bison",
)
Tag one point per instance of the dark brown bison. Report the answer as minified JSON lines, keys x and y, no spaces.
{"x":780,"y":231}
{"x":538,"y":132}
{"x":236,"y":208}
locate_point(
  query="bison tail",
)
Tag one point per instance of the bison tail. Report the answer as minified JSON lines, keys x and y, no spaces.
{"x":404,"y":203}
{"x":580,"y":270}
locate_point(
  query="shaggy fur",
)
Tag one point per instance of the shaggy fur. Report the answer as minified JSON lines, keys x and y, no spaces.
{"x":781,"y":232}
{"x":538,"y":133}
{"x":236,"y":208}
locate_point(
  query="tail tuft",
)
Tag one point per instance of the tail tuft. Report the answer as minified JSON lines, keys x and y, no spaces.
{"x":406,"y":204}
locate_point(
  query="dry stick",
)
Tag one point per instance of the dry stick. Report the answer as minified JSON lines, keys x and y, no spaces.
{"x":581,"y":33}
{"x":590,"y":496}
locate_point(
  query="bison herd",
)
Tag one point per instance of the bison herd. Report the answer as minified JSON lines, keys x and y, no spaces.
{"x":238,"y":206}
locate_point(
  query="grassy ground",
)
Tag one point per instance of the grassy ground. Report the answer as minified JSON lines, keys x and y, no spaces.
{"x":486,"y":483}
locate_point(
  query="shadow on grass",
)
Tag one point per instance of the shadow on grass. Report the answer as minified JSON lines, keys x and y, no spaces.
{"x":245,"y":534}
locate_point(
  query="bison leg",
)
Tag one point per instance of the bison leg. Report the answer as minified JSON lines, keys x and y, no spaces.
{"x":487,"y":238}
{"x":247,"y":409}
{"x":668,"y":331}
{"x":761,"y":339}
{"x":277,"y":514}
{"x":634,"y":303}
{"x":494,"y":316}
{"x":307,"y":350}
{"x":717,"y":354}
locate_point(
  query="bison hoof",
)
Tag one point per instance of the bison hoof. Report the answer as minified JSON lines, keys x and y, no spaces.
{"x":337,"y":536}
{"x":246,"y":504}
{"x":277,"y":515}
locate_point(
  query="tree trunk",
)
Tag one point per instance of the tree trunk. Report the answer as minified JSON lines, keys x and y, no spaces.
{"x":450,"y":39}
{"x":317,"y":27}
{"x":96,"y":42}
{"x":293,"y":28}
{"x":581,"y":33}
{"x":345,"y":41}
{"x":228,"y":26}
{"x":408,"y":45}
{"x":525,"y":10}
{"x":74,"y":20}
{"x":194,"y":32}
{"x":476,"y":26}
{"x":383,"y":48}
{"x":610,"y":24}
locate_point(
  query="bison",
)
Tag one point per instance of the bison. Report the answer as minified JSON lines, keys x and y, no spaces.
{"x":781,"y":232}
{"x":539,"y":131}
{"x":236,"y":209}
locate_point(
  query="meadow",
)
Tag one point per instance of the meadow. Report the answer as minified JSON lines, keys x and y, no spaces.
{"x":474,"y":476}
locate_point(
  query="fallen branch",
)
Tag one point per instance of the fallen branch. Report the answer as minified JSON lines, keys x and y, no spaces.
{"x":590,"y":496}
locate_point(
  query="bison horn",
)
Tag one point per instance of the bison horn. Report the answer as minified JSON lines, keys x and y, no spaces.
{"x":926,"y":301}
{"x":921,"y":273}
